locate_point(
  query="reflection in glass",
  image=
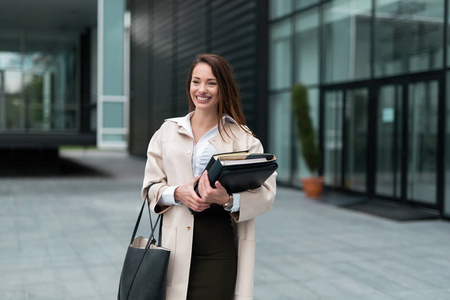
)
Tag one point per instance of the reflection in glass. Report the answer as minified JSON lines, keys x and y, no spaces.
{"x":12,"y":100}
{"x":10,"y":57}
{"x":356,"y":106}
{"x":408,"y":36}
{"x":280,"y":67}
{"x":281,"y":132}
{"x":307,"y":47}
{"x":422,"y":141}
{"x":334,"y":103}
{"x":346,"y":43}
{"x":113,"y":114}
{"x":279,"y":8}
{"x":38,"y":82}
{"x":304,"y":3}
{"x":389,"y":133}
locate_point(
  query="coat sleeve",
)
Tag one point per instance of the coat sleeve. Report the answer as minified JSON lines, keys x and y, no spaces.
{"x":154,"y":176}
{"x":257,"y":201}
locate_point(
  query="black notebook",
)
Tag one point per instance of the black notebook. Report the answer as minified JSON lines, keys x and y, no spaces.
{"x":240,"y":171}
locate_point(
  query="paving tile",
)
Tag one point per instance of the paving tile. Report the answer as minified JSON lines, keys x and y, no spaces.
{"x":436,"y":294}
{"x":11,"y":293}
{"x":411,"y":295}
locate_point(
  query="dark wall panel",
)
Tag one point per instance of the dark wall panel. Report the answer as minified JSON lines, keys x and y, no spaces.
{"x":161,"y":53}
{"x":174,"y":32}
{"x":139,"y":76}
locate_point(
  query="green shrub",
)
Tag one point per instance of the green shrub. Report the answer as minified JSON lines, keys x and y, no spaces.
{"x":305,"y":129}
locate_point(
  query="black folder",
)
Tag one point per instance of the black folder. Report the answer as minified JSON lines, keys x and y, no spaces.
{"x":240,"y":171}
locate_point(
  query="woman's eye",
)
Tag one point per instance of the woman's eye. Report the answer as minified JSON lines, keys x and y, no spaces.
{"x":212,"y":83}
{"x":194,"y":81}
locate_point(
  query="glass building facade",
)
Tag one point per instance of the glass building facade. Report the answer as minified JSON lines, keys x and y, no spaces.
{"x":64,"y":74}
{"x":38,"y":82}
{"x":377,"y":79}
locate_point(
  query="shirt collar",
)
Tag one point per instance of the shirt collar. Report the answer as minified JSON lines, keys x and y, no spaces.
{"x":185,"y":121}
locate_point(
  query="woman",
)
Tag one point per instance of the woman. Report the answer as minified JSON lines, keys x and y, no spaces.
{"x":212,"y":253}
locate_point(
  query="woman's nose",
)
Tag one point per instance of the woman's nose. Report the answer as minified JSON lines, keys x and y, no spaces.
{"x":202,"y":88}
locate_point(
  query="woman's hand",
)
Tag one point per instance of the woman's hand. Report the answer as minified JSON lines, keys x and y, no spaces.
{"x":209,"y":194}
{"x":187,"y":195}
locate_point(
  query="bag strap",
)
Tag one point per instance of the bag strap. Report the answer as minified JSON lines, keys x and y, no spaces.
{"x":151,"y":239}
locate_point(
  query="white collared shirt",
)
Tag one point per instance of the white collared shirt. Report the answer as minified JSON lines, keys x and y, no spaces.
{"x":201,"y":155}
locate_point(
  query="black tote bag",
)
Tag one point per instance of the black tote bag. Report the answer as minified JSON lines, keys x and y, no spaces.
{"x":145,"y":265}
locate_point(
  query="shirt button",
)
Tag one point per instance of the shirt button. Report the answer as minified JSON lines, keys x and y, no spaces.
{"x":189,"y":151}
{"x":189,"y":228}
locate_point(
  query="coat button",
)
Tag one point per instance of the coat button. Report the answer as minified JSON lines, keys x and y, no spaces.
{"x":189,"y":228}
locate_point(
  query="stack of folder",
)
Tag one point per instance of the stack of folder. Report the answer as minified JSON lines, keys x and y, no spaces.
{"x":240,"y":171}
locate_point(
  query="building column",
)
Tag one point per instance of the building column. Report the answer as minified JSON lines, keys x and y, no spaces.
{"x":112,"y":102}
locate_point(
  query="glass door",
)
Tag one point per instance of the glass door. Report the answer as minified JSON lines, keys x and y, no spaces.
{"x":389,"y":147}
{"x":356,"y":133}
{"x":407,"y":141}
{"x":422,"y":141}
{"x":345,"y":138}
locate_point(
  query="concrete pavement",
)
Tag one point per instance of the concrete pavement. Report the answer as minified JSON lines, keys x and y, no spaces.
{"x":65,"y":237}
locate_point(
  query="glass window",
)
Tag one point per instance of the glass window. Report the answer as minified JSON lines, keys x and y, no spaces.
{"x":346,"y":40}
{"x":280,"y":133}
{"x":307,"y":47}
{"x":280,"y":68}
{"x":113,"y":41}
{"x":10,"y":51}
{"x":11,"y":100}
{"x":279,"y":8}
{"x":113,"y":115}
{"x":115,"y":138}
{"x":408,"y":36}
{"x":302,"y":169}
{"x":304,"y":3}
{"x":38,"y":81}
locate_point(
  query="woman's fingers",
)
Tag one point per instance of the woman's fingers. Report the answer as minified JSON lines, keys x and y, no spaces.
{"x":209,"y":194}
{"x":203,"y":184}
{"x":187,"y":195}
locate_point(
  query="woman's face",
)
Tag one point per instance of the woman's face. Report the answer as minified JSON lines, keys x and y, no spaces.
{"x":204,"y":88}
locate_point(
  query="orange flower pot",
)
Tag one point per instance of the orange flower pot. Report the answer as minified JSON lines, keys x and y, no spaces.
{"x":312,"y":187}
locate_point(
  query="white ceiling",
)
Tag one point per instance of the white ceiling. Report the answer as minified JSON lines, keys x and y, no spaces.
{"x":60,"y":15}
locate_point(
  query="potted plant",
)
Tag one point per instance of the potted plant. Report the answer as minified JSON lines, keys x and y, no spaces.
{"x":312,"y":186}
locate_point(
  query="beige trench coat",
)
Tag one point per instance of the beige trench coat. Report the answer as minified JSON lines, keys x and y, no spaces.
{"x":169,"y":163}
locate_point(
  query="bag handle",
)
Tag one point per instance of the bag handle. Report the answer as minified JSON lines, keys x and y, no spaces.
{"x":151,"y":239}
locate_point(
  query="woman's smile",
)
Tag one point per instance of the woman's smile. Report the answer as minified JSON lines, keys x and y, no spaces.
{"x":202,"y":98}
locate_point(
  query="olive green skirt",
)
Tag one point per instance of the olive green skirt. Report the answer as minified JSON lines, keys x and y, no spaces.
{"x":214,"y":259}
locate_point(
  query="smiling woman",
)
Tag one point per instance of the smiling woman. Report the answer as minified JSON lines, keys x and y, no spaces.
{"x":205,"y":262}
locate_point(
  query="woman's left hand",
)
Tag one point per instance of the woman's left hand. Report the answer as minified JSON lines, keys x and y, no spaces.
{"x":217,"y":195}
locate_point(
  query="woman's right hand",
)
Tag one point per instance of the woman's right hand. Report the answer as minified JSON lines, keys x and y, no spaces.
{"x":187,"y":195}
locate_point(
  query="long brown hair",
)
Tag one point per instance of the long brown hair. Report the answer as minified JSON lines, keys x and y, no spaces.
{"x":229,"y":95}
